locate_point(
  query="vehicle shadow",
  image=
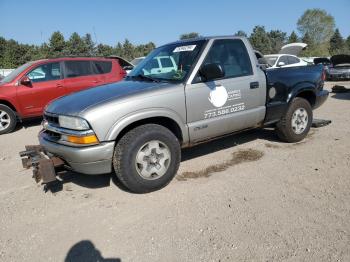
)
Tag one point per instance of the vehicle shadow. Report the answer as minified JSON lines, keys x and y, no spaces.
{"x":29,"y":123}
{"x":228,"y":142}
{"x":100,"y":181}
{"x":85,"y":251}
{"x":341,"y":96}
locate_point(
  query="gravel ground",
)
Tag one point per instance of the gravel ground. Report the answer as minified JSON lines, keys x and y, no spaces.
{"x":247,"y":197}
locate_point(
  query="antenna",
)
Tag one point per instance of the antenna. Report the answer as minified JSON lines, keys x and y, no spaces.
{"x":93,"y":29}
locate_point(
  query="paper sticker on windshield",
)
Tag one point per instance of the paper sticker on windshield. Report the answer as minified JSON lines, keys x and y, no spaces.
{"x":184,"y":48}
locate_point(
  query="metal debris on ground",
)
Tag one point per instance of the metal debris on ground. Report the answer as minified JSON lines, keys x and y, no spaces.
{"x":340,"y":89}
{"x":320,"y":122}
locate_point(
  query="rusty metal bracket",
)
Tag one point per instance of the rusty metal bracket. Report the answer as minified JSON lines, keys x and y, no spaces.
{"x":43,"y":166}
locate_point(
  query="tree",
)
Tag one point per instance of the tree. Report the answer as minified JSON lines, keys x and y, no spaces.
{"x":128,"y":50}
{"x":189,"y":35}
{"x":75,"y":45}
{"x":336,"y":43}
{"x":260,"y":40}
{"x":293,"y":38}
{"x":89,"y":46}
{"x":56,"y":44}
{"x":318,"y":24}
{"x":241,"y":33}
{"x":278,"y":39}
{"x":104,"y":50}
{"x":347,"y":43}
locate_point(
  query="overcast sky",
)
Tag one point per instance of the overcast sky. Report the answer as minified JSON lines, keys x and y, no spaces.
{"x":159,"y":21}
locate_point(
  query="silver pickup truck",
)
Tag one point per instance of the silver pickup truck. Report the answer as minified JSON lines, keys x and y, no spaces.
{"x":136,"y":128}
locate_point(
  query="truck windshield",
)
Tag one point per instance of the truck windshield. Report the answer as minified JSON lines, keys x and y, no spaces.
{"x":16,"y":72}
{"x":168,"y":63}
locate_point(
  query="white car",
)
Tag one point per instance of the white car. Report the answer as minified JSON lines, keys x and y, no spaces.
{"x":161,"y":64}
{"x":287,"y":56}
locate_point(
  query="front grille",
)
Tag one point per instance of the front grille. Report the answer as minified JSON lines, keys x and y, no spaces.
{"x":52,"y":136}
{"x":52,"y":119}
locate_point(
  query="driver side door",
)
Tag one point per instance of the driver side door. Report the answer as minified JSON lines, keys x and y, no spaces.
{"x":231,"y":103}
{"x":46,"y":84}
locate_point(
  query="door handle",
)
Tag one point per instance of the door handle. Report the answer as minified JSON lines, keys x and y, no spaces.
{"x":96,"y":81}
{"x":254,"y":85}
{"x":59,"y":85}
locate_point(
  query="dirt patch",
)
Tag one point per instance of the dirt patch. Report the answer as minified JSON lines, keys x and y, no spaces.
{"x":238,"y":157}
{"x":269,"y":145}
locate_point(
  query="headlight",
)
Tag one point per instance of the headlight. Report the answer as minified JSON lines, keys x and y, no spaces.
{"x":75,"y":123}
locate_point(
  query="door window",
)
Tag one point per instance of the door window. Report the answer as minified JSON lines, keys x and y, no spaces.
{"x":102,"y":67}
{"x":283,"y":59}
{"x":46,"y":72}
{"x":293,"y":60}
{"x":233,"y":57}
{"x":77,"y":68}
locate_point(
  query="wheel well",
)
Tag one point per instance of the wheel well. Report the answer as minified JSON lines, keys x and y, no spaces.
{"x":163,"y":121}
{"x":6,"y":103}
{"x":309,"y":96}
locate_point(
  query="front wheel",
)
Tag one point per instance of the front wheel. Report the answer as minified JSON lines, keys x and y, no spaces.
{"x":147,"y":158}
{"x":8,"y":120}
{"x":295,"y":124}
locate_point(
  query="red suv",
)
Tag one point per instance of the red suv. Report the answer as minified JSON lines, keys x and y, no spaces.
{"x":27,"y":90}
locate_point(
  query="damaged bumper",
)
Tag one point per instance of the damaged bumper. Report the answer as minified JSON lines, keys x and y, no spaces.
{"x":90,"y":160}
{"x":44,"y":165}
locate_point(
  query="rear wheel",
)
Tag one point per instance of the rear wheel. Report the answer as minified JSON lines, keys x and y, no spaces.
{"x":147,"y":158}
{"x":8,"y":120}
{"x":295,"y":124}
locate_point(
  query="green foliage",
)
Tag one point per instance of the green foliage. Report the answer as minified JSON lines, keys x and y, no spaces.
{"x":260,"y":40}
{"x":318,"y":24}
{"x":337,"y":44}
{"x":293,"y":38}
{"x":56,"y":44}
{"x":241,"y":33}
{"x":13,"y":54}
{"x":277,"y":39}
{"x":189,"y":35}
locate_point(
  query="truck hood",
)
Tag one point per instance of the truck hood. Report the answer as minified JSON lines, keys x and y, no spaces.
{"x":293,"y":49}
{"x":76,"y":103}
{"x":340,"y":59}
{"x":322,"y":60}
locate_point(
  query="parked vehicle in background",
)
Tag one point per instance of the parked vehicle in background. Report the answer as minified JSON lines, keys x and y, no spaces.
{"x":276,"y":61}
{"x":1,"y":77}
{"x":125,"y":64}
{"x":28,"y":89}
{"x":137,"y":60}
{"x":340,"y":68}
{"x":136,"y":127}
{"x":287,"y":56}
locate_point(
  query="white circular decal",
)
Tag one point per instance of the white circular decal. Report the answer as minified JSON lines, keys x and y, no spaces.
{"x":218,"y":96}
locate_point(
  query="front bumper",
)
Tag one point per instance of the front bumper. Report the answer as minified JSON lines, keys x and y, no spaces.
{"x":321,"y":97}
{"x":91,"y":160}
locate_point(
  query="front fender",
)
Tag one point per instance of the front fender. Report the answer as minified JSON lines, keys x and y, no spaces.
{"x":135,"y":116}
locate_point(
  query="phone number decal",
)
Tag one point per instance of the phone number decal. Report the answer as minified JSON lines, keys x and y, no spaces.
{"x":224,"y":111}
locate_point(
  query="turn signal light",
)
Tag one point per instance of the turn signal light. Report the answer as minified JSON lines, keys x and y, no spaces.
{"x":92,"y":139}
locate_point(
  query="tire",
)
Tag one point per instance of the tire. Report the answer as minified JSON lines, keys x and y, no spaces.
{"x":8,"y":120}
{"x":143,"y":150}
{"x":294,"y":127}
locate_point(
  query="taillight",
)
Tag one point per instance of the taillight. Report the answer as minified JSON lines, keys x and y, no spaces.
{"x":324,"y":75}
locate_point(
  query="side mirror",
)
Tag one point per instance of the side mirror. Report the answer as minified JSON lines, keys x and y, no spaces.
{"x":211,"y":72}
{"x":281,"y":64}
{"x":25,"y":81}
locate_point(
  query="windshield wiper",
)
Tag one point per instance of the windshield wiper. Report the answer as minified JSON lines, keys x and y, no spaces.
{"x":145,"y":78}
